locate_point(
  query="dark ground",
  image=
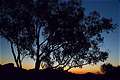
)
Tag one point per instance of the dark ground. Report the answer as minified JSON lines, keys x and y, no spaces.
{"x":9,"y":72}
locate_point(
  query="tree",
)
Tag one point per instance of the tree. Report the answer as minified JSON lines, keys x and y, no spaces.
{"x":111,"y":71}
{"x":16,"y":28}
{"x":107,"y":68}
{"x":54,"y":33}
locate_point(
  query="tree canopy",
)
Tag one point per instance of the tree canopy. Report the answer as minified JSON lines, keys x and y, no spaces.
{"x":54,"y":33}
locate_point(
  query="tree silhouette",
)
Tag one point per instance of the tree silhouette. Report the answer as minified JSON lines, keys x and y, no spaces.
{"x":111,"y":71}
{"x":107,"y":68}
{"x":16,"y":28}
{"x":54,"y":33}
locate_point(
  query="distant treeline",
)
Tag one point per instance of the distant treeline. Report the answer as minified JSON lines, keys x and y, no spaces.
{"x":9,"y":72}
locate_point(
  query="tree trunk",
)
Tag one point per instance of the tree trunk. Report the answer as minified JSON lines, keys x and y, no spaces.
{"x":37,"y":64}
{"x":20,"y":63}
{"x":13,"y":52}
{"x":18,"y":58}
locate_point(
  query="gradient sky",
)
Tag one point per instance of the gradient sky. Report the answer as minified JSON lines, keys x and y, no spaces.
{"x":107,"y":8}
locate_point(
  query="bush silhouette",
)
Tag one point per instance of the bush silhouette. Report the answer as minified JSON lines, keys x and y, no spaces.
{"x":111,"y":71}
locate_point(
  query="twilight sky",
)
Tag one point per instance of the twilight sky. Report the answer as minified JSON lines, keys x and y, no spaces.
{"x":107,"y":8}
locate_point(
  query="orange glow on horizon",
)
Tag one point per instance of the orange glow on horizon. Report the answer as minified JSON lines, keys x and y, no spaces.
{"x":86,"y":69}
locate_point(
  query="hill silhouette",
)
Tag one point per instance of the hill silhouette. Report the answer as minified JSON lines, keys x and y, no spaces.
{"x":9,"y":72}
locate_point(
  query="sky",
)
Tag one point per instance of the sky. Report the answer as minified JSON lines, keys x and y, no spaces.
{"x":107,"y":8}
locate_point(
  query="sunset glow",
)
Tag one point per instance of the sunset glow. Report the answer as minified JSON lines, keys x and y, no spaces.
{"x":86,"y":69}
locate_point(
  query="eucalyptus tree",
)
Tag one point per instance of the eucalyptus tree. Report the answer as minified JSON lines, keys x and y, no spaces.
{"x":54,"y":33}
{"x":16,"y":27}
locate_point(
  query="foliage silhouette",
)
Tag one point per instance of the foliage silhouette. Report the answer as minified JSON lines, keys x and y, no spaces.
{"x":54,"y":33}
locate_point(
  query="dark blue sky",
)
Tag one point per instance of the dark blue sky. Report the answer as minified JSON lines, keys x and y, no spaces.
{"x":107,"y":8}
